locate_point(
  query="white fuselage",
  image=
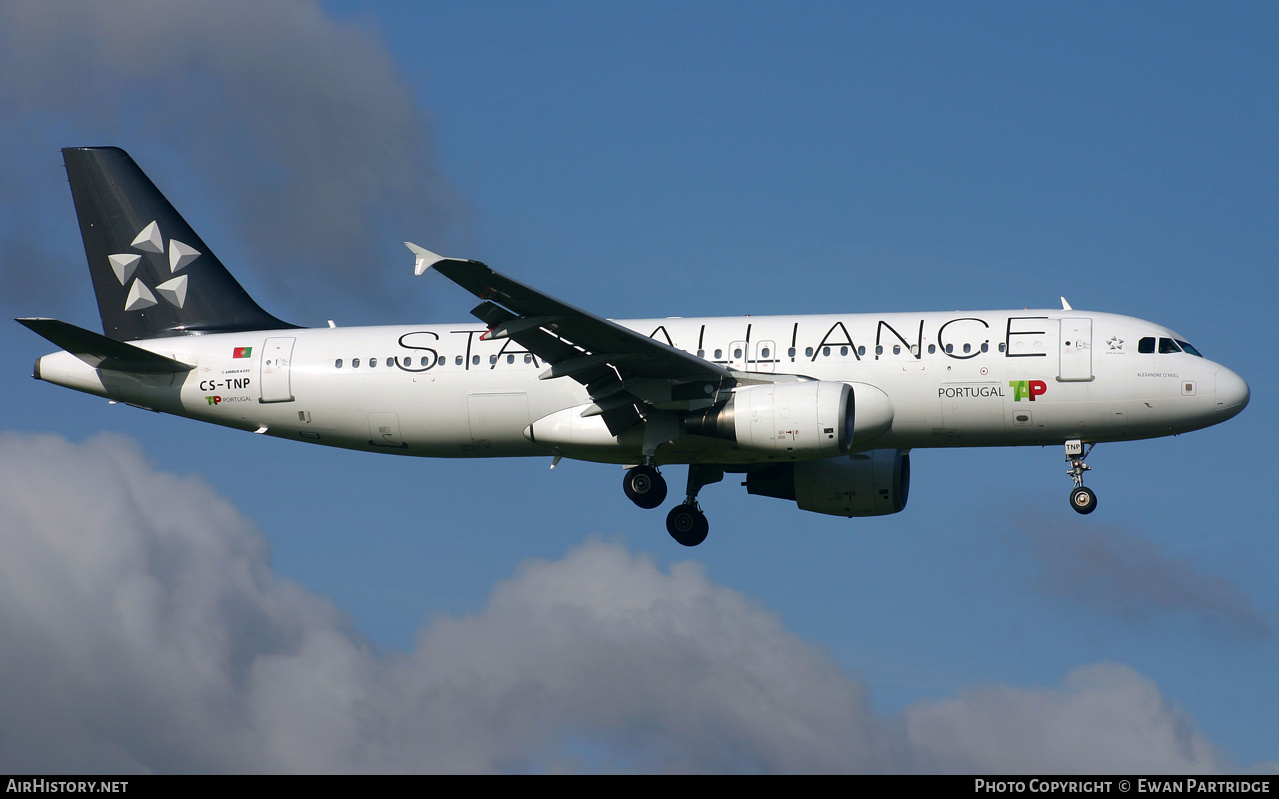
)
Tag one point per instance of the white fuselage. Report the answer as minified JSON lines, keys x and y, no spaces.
{"x":988,"y":378}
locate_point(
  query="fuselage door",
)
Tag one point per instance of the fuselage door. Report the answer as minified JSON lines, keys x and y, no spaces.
{"x":273,"y":377}
{"x":1076,"y":350}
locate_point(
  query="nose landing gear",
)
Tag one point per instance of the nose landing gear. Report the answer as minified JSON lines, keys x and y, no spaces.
{"x":1082,"y":499}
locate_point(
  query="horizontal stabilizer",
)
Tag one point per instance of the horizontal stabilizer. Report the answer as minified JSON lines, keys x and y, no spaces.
{"x":101,"y":352}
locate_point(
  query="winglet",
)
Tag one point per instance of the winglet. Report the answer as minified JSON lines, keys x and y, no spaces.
{"x":425,"y":259}
{"x":1065,"y":306}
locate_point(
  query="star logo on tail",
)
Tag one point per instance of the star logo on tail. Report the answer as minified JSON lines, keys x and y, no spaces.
{"x":173,"y":290}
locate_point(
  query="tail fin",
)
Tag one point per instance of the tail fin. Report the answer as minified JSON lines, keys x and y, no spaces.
{"x":153,"y":275}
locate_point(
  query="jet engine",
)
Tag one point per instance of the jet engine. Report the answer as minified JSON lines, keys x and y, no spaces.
{"x":874,"y":483}
{"x":807,"y":419}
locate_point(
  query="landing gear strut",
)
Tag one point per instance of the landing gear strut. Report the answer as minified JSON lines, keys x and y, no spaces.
{"x":686,"y":523}
{"x":643,"y":484}
{"x":1082,"y":499}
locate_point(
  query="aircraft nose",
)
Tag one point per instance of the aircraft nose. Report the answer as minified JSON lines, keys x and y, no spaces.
{"x":1232,"y":393}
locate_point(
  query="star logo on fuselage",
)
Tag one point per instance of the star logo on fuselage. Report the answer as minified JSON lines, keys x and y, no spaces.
{"x":1115,"y":343}
{"x":173,"y":290}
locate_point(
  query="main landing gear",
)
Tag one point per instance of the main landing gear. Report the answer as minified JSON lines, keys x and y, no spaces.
{"x":1082,"y":499}
{"x":686,"y":523}
{"x":645,"y":486}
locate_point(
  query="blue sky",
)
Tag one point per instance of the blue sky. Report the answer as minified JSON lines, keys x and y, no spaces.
{"x":671,"y":160}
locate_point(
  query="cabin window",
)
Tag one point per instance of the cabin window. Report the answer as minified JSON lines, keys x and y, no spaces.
{"x":492,"y":360}
{"x":528,"y":358}
{"x":372,"y":362}
{"x":826,"y":351}
{"x":737,"y":353}
{"x":879,"y":349}
{"x":843,"y":351}
{"x":932,"y":349}
{"x":510,"y":359}
{"x":355,"y":363}
{"x":914,"y":350}
{"x":897,"y":349}
{"x":719,"y":354}
{"x":475,"y":360}
{"x":808,"y":352}
{"x":790,"y":353}
{"x":701,"y":353}
{"x":1002,"y":348}
{"x":764,"y":353}
{"x":337,"y":364}
{"x":950,"y":348}
{"x":985,"y":346}
{"x":968,"y":348}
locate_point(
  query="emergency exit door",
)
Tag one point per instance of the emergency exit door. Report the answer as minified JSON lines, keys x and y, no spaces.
{"x":1076,"y":350}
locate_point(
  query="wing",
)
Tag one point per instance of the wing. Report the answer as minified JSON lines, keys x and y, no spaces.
{"x":625,"y":373}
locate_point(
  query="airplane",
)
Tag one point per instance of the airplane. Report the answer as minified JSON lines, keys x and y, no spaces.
{"x":822,"y":410}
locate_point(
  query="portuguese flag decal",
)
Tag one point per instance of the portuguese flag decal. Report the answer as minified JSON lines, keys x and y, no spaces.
{"x":242,"y":352}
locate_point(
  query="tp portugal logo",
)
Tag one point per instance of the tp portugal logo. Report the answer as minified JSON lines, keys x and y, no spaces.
{"x":1028,"y":389}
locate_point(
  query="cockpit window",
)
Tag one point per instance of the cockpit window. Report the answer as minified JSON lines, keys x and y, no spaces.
{"x":1167,"y":346}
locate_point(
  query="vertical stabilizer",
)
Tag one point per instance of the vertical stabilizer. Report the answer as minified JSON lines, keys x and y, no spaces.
{"x":152,"y":274}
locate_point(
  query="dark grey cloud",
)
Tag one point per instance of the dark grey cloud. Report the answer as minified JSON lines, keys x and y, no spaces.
{"x":1111,"y":570}
{"x":144,"y":631}
{"x":297,"y":126}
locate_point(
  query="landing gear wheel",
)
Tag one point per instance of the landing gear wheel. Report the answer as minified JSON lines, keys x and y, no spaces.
{"x":645,"y":486}
{"x":1083,"y":500}
{"x":687,"y":525}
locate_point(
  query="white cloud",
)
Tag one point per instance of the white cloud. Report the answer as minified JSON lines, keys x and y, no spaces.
{"x":144,"y":631}
{"x":1105,"y":719}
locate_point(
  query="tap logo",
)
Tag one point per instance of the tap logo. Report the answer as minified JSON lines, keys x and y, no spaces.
{"x":1028,"y":389}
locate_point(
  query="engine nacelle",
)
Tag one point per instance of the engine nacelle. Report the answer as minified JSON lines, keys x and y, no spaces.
{"x":874,"y":483}
{"x":809,"y":419}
